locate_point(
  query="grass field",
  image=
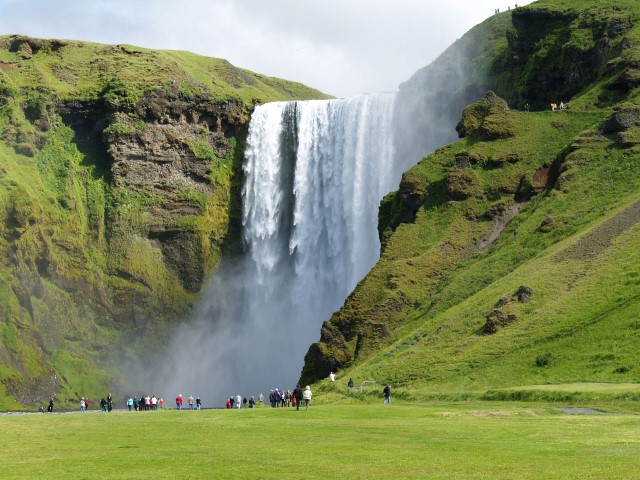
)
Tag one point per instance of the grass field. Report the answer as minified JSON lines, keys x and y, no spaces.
{"x":437,"y":441}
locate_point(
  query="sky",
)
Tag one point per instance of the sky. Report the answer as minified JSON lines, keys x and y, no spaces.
{"x":342,"y":47}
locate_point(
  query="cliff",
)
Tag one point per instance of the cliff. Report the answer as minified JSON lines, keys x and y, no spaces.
{"x":119,"y":193}
{"x":507,"y":256}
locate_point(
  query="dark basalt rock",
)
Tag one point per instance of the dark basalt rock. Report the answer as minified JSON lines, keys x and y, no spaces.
{"x":622,"y":119}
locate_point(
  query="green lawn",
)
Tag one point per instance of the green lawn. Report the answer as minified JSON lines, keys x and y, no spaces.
{"x":328,"y":441}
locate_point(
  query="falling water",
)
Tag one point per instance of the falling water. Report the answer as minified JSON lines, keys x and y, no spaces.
{"x":315,"y":173}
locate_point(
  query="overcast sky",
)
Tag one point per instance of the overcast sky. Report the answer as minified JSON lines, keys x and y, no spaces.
{"x":342,"y":47}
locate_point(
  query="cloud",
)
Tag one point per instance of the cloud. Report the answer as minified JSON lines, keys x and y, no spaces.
{"x":340,"y":47}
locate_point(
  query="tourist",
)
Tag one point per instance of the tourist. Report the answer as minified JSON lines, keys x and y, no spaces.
{"x":198,"y":403}
{"x":260,"y":398}
{"x":297,"y":396}
{"x":109,"y":402}
{"x":179,"y":402}
{"x":103,"y":405}
{"x":161,"y":403}
{"x":332,"y":376}
{"x":252,"y":402}
{"x":350,"y":383}
{"x":307,"y":396}
{"x":50,"y":407}
{"x":86,"y":404}
{"x":244,"y":402}
{"x":82,"y":404}
{"x":238,"y":401}
{"x":129,"y":402}
{"x":190,"y":402}
{"x":154,"y":402}
{"x":387,"y":394}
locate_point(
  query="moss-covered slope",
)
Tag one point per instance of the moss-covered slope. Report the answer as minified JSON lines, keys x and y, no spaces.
{"x":119,"y":191}
{"x":510,"y":257}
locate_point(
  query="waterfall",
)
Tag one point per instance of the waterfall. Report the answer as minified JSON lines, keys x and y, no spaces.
{"x":315,"y":172}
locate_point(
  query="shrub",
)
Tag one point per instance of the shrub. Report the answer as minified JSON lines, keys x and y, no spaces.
{"x":543,"y":359}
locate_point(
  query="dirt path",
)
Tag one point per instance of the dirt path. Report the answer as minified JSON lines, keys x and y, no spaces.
{"x":499,"y":225}
{"x":599,"y":239}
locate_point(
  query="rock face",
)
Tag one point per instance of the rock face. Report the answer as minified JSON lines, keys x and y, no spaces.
{"x":170,"y":158}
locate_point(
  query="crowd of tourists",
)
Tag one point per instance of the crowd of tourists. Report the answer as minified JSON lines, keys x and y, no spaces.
{"x":277,"y":399}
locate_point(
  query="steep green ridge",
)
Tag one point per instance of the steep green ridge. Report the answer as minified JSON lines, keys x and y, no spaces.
{"x":119,"y":191}
{"x":510,"y":257}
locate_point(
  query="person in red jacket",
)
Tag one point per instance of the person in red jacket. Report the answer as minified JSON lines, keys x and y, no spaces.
{"x":179,"y":402}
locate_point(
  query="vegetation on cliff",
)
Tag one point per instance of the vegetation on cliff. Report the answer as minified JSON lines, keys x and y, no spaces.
{"x":510,"y":257}
{"x":119,"y":191}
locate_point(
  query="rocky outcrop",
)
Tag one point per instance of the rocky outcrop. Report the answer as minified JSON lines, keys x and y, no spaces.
{"x":623,"y":118}
{"x":489,"y":117}
{"x":495,"y":320}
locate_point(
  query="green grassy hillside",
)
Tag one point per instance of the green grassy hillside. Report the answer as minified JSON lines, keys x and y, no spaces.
{"x":119,"y":191}
{"x":510,"y":257}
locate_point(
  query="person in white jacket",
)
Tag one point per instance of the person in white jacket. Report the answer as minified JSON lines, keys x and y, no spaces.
{"x":238,"y":401}
{"x":306,"y":395}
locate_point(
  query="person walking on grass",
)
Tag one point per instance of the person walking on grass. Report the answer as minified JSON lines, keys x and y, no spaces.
{"x":190,"y":400}
{"x":82,"y":404}
{"x":387,"y":394}
{"x":307,"y":396}
{"x":297,"y":396}
{"x":129,"y":402}
{"x":198,"y":403}
{"x":179,"y":402}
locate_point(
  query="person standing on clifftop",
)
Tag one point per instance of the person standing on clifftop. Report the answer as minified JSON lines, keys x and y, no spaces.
{"x":179,"y":402}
